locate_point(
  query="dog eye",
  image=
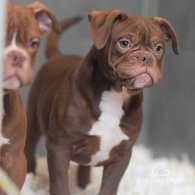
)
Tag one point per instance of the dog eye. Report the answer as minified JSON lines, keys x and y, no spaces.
{"x":159,"y":48}
{"x":125,"y":43}
{"x":34,"y":43}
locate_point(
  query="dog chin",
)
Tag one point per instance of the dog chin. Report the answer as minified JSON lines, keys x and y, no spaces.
{"x":12,"y":83}
{"x":142,"y":81}
{"x":138,"y":83}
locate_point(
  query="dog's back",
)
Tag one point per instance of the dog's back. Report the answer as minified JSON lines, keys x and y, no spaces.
{"x":56,"y":60}
{"x":48,"y":81}
{"x":58,"y":66}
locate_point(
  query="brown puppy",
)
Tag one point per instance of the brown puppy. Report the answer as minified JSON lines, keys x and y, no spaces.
{"x":25,"y":25}
{"x":90,"y":109}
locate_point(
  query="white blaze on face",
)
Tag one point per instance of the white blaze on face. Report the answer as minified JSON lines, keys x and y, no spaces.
{"x":107,"y":128}
{"x":13,"y":43}
{"x":14,"y":47}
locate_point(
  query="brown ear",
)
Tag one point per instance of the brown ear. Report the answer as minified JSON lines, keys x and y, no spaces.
{"x":169,"y":32}
{"x":101,"y":24}
{"x":45,"y":18}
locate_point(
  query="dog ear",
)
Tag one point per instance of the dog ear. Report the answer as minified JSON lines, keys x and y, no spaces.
{"x":168,"y":31}
{"x":101,"y":24}
{"x":45,"y":18}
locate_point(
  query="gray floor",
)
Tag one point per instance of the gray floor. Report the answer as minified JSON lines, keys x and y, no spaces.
{"x":169,"y":108}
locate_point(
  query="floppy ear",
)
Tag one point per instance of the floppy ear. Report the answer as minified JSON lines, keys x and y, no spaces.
{"x":101,"y":24}
{"x":169,"y":32}
{"x":45,"y":18}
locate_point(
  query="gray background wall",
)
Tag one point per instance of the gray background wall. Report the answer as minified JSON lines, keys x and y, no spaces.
{"x":169,"y":108}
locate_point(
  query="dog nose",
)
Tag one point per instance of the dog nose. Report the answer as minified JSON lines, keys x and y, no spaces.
{"x":146,"y":59}
{"x":17,"y":58}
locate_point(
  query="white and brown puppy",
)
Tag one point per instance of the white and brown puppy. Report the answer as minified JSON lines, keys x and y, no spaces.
{"x":90,"y":109}
{"x":25,"y":25}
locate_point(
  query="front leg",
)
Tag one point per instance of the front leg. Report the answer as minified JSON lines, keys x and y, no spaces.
{"x":13,"y":162}
{"x":113,"y":173}
{"x":58,"y":158}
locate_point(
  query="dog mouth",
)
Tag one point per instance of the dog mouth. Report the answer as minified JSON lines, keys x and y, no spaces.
{"x":12,"y":82}
{"x":16,"y":77}
{"x":138,"y":82}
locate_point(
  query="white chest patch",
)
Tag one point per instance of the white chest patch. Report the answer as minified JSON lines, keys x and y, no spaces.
{"x":107,"y":127}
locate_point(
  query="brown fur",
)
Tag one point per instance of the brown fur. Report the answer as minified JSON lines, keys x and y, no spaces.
{"x":64,"y":99}
{"x":22,"y":19}
{"x":14,"y":127}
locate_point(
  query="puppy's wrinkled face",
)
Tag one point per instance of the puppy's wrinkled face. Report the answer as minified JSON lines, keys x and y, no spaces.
{"x":135,"y":52}
{"x":133,"y":45}
{"x":25,"y":25}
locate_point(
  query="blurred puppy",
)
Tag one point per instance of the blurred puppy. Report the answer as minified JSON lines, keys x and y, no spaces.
{"x":25,"y":26}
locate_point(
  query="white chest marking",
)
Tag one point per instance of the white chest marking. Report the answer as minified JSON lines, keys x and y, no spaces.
{"x":3,"y":140}
{"x":107,"y":127}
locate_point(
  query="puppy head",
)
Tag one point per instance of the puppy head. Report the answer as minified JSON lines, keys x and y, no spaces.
{"x":25,"y":25}
{"x":133,"y":46}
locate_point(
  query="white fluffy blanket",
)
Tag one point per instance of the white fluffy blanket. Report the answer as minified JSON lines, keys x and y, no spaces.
{"x":144,"y":176}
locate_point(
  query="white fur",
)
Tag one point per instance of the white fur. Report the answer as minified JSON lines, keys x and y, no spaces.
{"x":14,"y":47}
{"x":107,"y":127}
{"x":8,"y":49}
{"x":3,"y":140}
{"x":137,"y":180}
{"x":13,"y":43}
{"x":14,"y":83}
